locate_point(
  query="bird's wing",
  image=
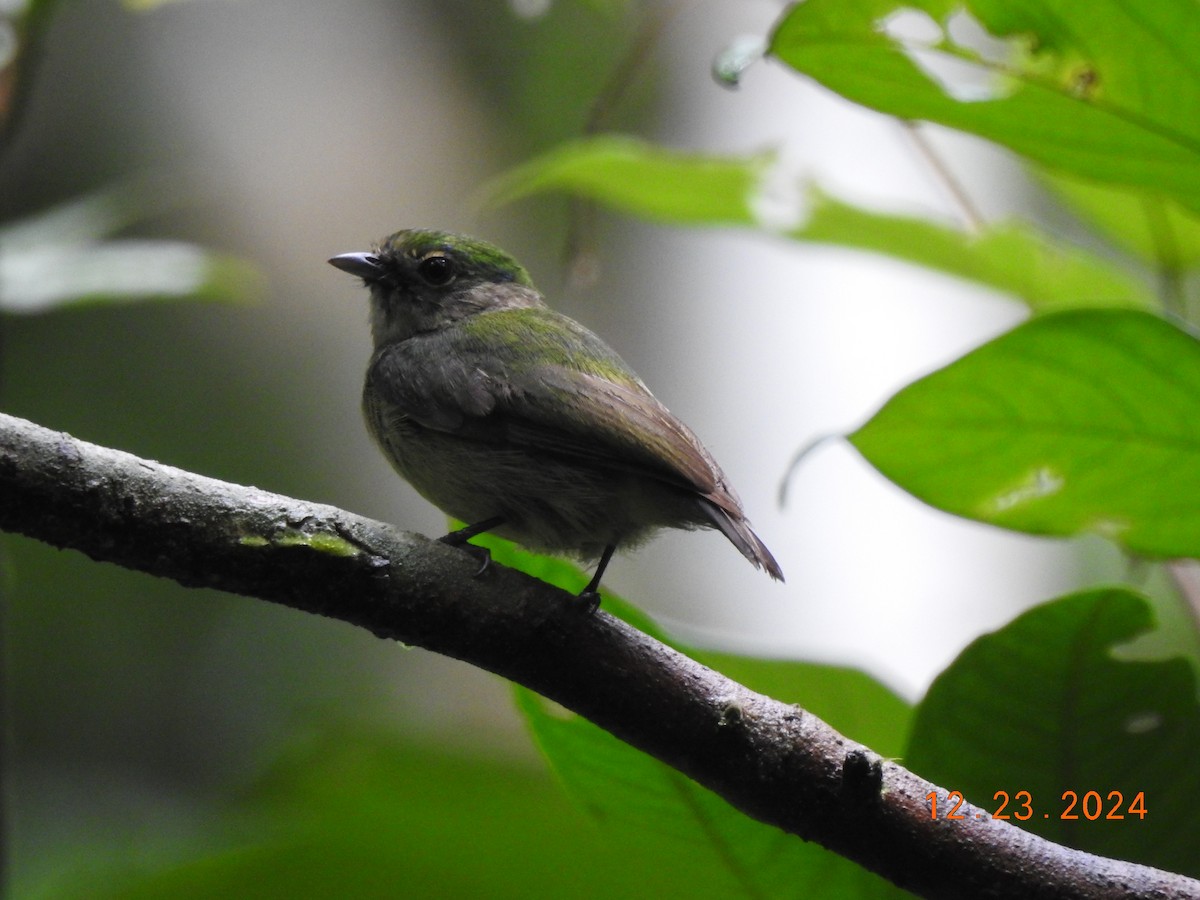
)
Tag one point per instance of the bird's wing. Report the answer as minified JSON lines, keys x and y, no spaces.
{"x":550,"y":386}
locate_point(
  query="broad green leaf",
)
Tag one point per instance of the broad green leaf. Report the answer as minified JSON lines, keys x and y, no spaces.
{"x":1107,"y":90}
{"x":1042,"y":706}
{"x":1082,"y":421}
{"x":648,"y":181}
{"x":565,"y":575}
{"x":551,"y":569}
{"x":62,"y":257}
{"x":1161,"y":232}
{"x":715,"y":851}
{"x":1011,"y":257}
{"x":83,"y":220}
{"x":52,"y":277}
{"x":1014,"y":258}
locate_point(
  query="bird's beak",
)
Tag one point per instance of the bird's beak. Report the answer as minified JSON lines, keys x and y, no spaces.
{"x":364,"y":265}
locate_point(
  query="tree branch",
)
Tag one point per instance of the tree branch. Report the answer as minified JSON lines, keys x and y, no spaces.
{"x":773,"y":761}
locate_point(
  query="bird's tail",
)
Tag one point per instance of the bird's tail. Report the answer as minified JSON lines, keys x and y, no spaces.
{"x":742,"y":536}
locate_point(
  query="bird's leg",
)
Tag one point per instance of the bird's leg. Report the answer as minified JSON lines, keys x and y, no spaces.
{"x":460,"y":537}
{"x":590,"y":595}
{"x":463,"y":535}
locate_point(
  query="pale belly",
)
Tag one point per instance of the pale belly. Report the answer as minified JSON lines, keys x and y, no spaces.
{"x":548,"y":502}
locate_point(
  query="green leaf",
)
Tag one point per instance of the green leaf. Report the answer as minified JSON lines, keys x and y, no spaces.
{"x":1107,"y":90}
{"x":1082,"y":421}
{"x":707,"y":190}
{"x":39,"y":280}
{"x":83,"y":220}
{"x":550,"y":569}
{"x":1161,"y":232}
{"x":565,"y":575}
{"x":647,"y":807}
{"x":642,"y":179}
{"x":1043,"y":706}
{"x":1010,"y":257}
{"x":60,"y":257}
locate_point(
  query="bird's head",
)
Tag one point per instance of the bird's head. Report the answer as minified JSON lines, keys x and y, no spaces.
{"x":424,"y":280}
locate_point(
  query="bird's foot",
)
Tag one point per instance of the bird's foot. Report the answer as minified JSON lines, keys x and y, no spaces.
{"x":482,"y":554}
{"x":461,"y":537}
{"x":588,"y":601}
{"x":589,"y":597}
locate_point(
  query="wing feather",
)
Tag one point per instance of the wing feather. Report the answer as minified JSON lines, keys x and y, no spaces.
{"x":542,"y":382}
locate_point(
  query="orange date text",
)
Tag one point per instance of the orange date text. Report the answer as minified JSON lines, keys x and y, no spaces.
{"x":1090,"y":805}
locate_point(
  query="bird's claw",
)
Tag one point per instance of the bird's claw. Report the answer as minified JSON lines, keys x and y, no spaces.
{"x":482,"y":554}
{"x":589,"y":601}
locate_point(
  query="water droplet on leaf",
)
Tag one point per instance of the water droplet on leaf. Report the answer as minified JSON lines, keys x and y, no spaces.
{"x":735,"y":59}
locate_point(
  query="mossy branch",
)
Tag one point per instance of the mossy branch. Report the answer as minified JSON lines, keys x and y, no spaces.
{"x":773,"y":761}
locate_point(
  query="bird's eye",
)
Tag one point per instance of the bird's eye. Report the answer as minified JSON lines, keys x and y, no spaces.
{"x":436,"y":270}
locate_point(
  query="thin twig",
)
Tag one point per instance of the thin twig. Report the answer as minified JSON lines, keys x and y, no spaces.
{"x":579,"y":243}
{"x":972,"y":217}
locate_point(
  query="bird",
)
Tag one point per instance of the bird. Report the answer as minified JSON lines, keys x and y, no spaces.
{"x":517,"y":420}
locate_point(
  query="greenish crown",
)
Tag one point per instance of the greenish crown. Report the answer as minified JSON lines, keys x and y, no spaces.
{"x":482,"y":259}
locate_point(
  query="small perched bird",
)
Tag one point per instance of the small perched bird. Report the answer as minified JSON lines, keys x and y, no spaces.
{"x":518,"y":420}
